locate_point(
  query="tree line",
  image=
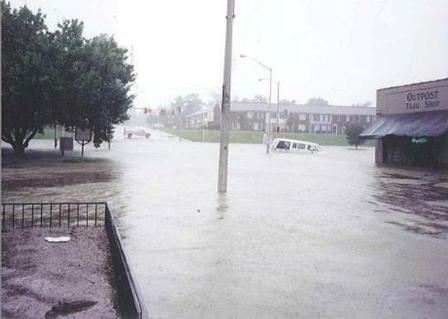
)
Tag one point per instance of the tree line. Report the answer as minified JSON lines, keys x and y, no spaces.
{"x":59,"y":77}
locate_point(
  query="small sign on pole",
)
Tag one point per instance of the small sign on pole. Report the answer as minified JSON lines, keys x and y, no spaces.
{"x":83,"y":137}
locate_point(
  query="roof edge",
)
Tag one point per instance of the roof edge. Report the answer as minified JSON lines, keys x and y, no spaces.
{"x":410,"y":84}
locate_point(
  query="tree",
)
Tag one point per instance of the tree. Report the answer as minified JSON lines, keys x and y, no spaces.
{"x":316,"y":101}
{"x":363,"y":104}
{"x":103,"y":92}
{"x":286,"y":101}
{"x":187,"y":104}
{"x":26,"y":75}
{"x":256,"y":99}
{"x":352,"y":134}
{"x":59,"y":78}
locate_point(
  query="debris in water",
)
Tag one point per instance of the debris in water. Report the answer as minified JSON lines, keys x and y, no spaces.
{"x":61,"y":239}
{"x":66,"y":308}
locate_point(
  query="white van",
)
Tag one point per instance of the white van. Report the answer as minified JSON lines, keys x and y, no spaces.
{"x":296,"y":146}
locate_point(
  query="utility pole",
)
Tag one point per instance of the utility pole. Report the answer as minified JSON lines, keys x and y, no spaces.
{"x":225,"y":107}
{"x":278,"y":102}
{"x":268,"y":114}
{"x":268,"y":117}
{"x":202,"y":126}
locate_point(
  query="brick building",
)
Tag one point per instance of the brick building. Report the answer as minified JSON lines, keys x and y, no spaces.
{"x":296,"y":118}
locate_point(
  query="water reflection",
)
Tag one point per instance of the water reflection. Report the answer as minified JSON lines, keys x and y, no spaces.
{"x":222,"y":205}
{"x":420,"y":195}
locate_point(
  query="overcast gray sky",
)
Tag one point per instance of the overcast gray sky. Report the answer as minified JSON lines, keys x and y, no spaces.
{"x":341,"y":50}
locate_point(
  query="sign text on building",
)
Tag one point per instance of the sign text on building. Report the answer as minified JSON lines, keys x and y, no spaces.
{"x":422,"y":100}
{"x":420,"y":97}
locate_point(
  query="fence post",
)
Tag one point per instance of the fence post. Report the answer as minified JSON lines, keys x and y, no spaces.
{"x":3,"y":216}
{"x":13,"y":213}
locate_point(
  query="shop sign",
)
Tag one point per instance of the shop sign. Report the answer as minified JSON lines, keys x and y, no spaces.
{"x":423,"y":97}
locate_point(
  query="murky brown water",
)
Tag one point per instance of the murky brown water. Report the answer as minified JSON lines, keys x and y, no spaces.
{"x":326,"y":235}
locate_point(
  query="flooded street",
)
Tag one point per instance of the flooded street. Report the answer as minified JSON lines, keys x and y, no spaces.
{"x":328,"y":235}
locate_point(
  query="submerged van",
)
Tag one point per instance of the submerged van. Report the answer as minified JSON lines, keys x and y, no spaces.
{"x":296,"y":146}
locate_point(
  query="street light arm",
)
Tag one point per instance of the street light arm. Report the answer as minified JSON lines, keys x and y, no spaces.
{"x":256,"y":61}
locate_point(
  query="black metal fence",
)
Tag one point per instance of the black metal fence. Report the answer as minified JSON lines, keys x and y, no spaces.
{"x":19,"y":215}
{"x":83,"y":214}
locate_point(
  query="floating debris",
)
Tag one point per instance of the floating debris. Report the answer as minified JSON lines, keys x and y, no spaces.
{"x":66,"y":308}
{"x":60,"y":239}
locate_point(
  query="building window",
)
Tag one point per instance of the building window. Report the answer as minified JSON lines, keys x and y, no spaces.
{"x":302,"y":117}
{"x":250,"y":115}
{"x":368,"y":119}
{"x":301,"y":127}
{"x":316,"y":117}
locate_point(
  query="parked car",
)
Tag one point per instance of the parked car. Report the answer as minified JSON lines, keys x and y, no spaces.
{"x":136,"y":132}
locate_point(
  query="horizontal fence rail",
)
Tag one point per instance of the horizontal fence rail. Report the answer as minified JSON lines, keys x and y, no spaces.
{"x":20,"y":215}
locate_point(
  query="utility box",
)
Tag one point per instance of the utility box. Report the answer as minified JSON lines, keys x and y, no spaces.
{"x":65,"y":144}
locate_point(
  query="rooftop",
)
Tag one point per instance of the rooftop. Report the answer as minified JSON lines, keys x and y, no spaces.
{"x":302,"y":108}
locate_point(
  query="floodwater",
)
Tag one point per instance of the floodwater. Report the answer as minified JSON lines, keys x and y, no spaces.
{"x":327,"y":235}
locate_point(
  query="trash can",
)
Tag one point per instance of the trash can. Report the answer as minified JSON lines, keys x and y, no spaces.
{"x":65,"y":144}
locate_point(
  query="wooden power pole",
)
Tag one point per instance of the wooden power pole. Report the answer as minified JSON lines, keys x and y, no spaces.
{"x":225,"y":107}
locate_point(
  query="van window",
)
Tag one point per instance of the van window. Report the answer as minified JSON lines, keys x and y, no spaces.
{"x":302,"y":146}
{"x":283,"y":145}
{"x":308,"y":147}
{"x":294,"y":145}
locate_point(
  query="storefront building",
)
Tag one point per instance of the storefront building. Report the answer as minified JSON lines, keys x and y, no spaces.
{"x":411,"y":128}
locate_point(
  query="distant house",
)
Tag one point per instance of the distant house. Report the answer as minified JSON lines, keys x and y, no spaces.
{"x":199,"y":119}
{"x":296,"y":117}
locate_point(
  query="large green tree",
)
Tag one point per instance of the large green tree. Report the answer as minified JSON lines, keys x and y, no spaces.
{"x":100,"y":97}
{"x":26,"y":75}
{"x":60,"y":78}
